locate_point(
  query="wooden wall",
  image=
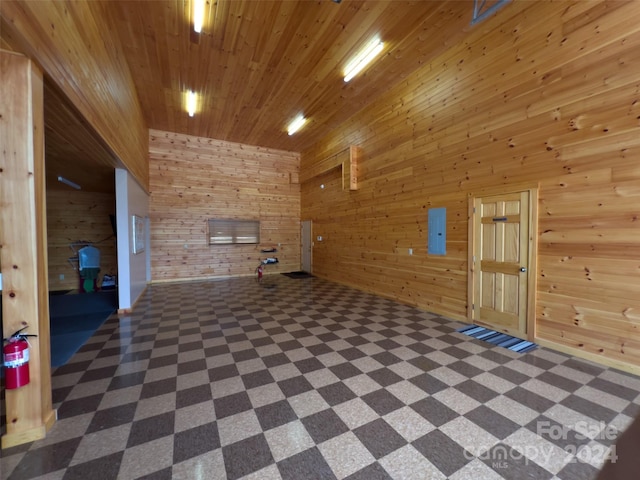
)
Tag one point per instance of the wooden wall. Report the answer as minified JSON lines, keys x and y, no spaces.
{"x":78,"y":216}
{"x":543,"y":93}
{"x":70,"y":41}
{"x":25,"y":305}
{"x":193,"y":179}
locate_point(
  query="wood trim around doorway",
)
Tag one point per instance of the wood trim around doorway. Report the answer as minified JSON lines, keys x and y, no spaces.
{"x":532,"y":254}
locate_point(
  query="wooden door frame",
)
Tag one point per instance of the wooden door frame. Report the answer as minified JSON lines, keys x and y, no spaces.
{"x":532,"y":254}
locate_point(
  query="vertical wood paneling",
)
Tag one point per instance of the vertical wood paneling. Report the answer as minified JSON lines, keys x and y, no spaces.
{"x":70,"y":40}
{"x":193,"y":179}
{"x":74,"y":216}
{"x":543,"y":93}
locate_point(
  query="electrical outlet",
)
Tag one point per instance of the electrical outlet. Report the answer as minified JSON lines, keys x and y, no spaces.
{"x":411,"y":251}
{"x":62,"y":276}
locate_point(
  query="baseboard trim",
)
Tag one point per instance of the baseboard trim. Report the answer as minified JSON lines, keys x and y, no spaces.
{"x":199,"y":279}
{"x":599,"y":359}
{"x":128,"y":311}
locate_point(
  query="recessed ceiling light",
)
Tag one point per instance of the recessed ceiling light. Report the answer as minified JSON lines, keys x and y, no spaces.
{"x":198,"y":15}
{"x":296,"y":125}
{"x":362,"y":59}
{"x":192,"y":102}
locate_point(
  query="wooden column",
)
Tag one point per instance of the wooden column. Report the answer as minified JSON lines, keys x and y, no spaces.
{"x":349,"y":161}
{"x":355,"y":155}
{"x":23,"y":252}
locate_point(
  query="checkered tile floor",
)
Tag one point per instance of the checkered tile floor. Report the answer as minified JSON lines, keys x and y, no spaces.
{"x":302,"y":379}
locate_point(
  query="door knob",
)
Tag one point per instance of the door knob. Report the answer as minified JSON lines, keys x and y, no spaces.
{"x":523,"y":269}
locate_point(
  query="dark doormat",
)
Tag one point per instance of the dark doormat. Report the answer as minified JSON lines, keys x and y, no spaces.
{"x":69,"y":333}
{"x":298,"y":274}
{"x":82,"y":303}
{"x":59,"y":292}
{"x":75,"y":318}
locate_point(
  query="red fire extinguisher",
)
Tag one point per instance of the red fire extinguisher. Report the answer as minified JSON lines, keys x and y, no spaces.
{"x":259,"y":270}
{"x":16,"y":360}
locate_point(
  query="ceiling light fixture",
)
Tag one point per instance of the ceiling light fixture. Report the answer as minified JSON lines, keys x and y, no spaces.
{"x":198,"y":15}
{"x":192,"y":102}
{"x":61,"y":179}
{"x":368,"y":53}
{"x":296,"y":125}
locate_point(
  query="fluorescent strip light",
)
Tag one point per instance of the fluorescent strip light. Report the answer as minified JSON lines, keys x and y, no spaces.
{"x":198,"y":15}
{"x":68,"y":182}
{"x":296,"y":124}
{"x":192,"y":102}
{"x":373,"y":48}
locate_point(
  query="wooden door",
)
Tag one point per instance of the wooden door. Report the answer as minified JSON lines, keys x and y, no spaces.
{"x":501,"y":257}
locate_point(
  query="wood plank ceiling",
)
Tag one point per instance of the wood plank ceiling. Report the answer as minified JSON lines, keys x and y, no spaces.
{"x":256,"y":65}
{"x":72,"y":148}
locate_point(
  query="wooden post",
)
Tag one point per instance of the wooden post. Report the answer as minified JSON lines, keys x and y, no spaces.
{"x":349,"y":165}
{"x":355,"y":155}
{"x":23,"y":252}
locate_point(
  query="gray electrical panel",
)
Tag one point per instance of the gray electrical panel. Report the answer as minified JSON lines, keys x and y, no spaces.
{"x":437,"y":231}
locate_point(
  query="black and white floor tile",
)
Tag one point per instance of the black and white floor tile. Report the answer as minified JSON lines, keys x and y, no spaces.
{"x":302,"y":379}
